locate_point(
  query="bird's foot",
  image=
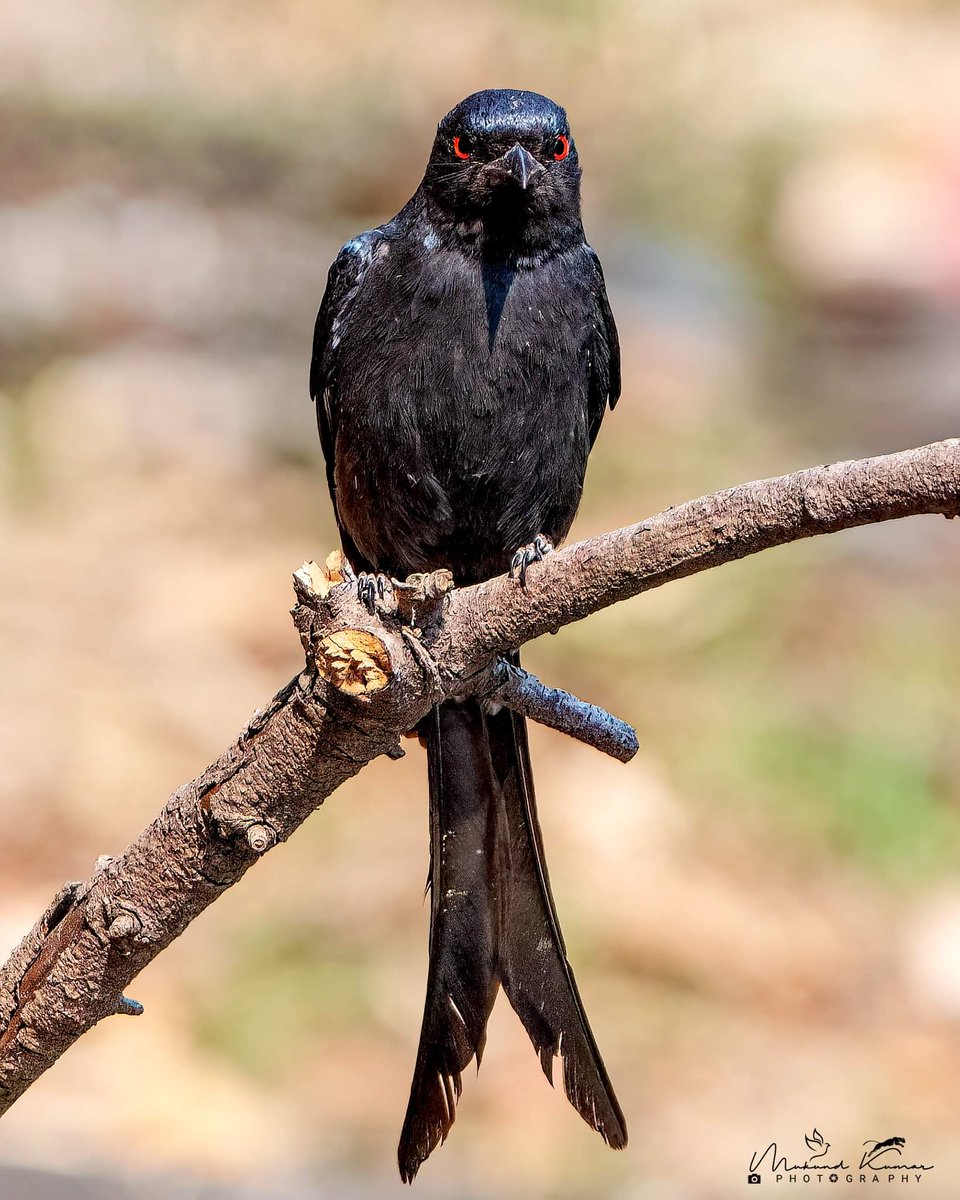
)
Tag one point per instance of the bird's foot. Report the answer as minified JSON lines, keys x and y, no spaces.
{"x":534,"y":551}
{"x":372,"y":589}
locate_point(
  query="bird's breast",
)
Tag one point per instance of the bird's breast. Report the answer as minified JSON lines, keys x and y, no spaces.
{"x":467,"y":401}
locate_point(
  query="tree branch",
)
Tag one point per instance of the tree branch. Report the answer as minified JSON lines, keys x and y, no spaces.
{"x":525,"y":694}
{"x":368,"y":679}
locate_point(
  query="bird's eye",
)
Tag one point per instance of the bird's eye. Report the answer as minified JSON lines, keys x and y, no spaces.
{"x":561,"y":147}
{"x":462,"y":146}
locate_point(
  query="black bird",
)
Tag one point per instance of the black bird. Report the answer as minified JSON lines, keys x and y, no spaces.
{"x":464,"y":357}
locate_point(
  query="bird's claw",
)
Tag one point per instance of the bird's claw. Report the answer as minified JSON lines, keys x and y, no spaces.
{"x":371,"y":588}
{"x":534,"y":551}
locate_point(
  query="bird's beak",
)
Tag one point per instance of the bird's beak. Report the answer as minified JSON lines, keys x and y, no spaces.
{"x":519,"y":165}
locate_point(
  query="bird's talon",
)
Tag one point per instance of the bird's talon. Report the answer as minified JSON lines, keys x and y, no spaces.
{"x":371,"y":588}
{"x":534,"y":551}
{"x":366,"y":592}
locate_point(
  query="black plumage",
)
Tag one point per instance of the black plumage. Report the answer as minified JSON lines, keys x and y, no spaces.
{"x":464,"y":356}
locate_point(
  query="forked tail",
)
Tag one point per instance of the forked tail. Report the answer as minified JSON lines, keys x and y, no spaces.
{"x":492,"y":921}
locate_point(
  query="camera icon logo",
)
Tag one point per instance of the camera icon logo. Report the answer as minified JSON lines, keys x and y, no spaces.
{"x":753,"y":1177}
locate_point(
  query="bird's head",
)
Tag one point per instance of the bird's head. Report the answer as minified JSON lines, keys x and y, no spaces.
{"x":506,"y":159}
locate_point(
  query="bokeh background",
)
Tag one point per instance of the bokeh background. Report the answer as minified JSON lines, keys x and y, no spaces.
{"x":764,"y":907}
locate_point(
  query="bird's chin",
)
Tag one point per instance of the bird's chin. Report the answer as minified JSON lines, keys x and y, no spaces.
{"x":501,"y":190}
{"x":497,"y":177}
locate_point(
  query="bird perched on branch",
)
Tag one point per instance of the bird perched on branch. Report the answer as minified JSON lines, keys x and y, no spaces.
{"x":464,"y":357}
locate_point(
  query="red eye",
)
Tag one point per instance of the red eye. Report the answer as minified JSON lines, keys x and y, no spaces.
{"x":457,"y":151}
{"x":561,"y":147}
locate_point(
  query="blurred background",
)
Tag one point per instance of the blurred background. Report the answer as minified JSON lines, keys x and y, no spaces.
{"x":763,"y":909}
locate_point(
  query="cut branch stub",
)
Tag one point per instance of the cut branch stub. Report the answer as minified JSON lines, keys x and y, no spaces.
{"x":319,"y":580}
{"x":353,"y":661}
{"x":421,"y":596}
{"x":260,"y":838}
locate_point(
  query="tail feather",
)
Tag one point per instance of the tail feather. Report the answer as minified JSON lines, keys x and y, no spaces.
{"x":492,"y":920}
{"x":536,"y":976}
{"x":462,"y":980}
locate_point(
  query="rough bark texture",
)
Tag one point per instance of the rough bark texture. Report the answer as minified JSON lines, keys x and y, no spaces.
{"x":367,"y":679}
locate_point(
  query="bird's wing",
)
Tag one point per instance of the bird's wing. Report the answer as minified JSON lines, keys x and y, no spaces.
{"x":343,"y":283}
{"x":605,"y":356}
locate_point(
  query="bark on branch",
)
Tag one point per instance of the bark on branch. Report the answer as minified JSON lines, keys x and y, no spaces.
{"x":367,"y":679}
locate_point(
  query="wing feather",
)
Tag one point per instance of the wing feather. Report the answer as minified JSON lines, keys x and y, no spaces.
{"x":605,"y":356}
{"x":344,"y":281}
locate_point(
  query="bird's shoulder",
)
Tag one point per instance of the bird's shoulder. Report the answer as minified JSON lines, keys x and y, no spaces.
{"x":344,"y":281}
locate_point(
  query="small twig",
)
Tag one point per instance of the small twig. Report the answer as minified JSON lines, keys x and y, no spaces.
{"x":526,"y":694}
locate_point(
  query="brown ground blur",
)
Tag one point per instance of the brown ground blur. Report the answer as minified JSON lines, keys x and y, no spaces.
{"x":764,"y":908}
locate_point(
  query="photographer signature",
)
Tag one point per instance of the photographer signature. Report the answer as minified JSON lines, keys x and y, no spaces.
{"x":879,"y":1156}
